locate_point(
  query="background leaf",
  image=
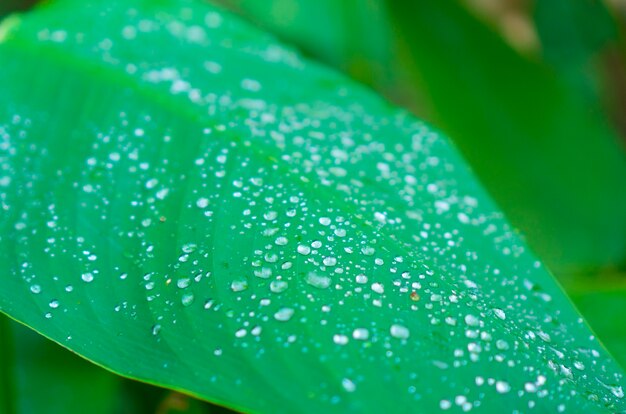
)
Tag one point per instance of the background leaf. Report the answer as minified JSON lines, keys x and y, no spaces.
{"x":189,"y":203}
{"x":42,"y":377}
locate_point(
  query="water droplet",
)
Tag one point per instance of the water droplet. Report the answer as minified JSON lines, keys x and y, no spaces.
{"x":278,"y":286}
{"x":304,"y":250}
{"x":183,"y":283}
{"x":502,"y":345}
{"x":156,"y":329}
{"x":340,"y":339}
{"x":329,"y":261}
{"x":471,"y":320}
{"x":35,"y":289}
{"x":87,"y":277}
{"x":368,"y":250}
{"x":189,"y":248}
{"x":281,"y":241}
{"x":378,"y":288}
{"x":284,"y":314}
{"x":544,"y":336}
{"x":202,"y":202}
{"x":361,"y":279}
{"x":361,"y":334}
{"x":617,"y":391}
{"x":324,"y":221}
{"x":499,"y":313}
{"x":187,"y":299}
{"x":270,"y":215}
{"x":502,"y":387}
{"x":530,"y":387}
{"x":348,"y":385}
{"x":399,"y":331}
{"x":263,"y":273}
{"x":318,"y":281}
{"x":239,"y":285}
{"x":54,"y":304}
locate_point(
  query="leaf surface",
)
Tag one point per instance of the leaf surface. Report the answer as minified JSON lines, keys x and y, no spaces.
{"x":189,"y":203}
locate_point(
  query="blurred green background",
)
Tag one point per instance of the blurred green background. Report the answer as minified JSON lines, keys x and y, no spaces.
{"x":533,"y":93}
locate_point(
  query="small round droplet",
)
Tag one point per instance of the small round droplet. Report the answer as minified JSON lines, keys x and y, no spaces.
{"x":471,"y":320}
{"x":502,"y":387}
{"x":340,"y":232}
{"x":361,"y":279}
{"x":324,"y":221}
{"x":361,"y":334}
{"x":187,"y":299}
{"x":399,"y":331}
{"x":281,"y":241}
{"x":35,"y":289}
{"x":348,"y":385}
{"x":87,"y":277}
{"x":303,"y":250}
{"x":278,"y":286}
{"x":202,"y":202}
{"x":183,"y":283}
{"x":284,"y":314}
{"x":340,"y":339}
{"x":378,"y":288}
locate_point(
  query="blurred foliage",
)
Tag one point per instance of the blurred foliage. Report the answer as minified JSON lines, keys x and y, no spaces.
{"x":603,"y":304}
{"x":9,"y":6}
{"x":28,"y":361}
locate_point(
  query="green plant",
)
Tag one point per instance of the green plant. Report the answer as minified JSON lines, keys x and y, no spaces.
{"x":189,"y":203}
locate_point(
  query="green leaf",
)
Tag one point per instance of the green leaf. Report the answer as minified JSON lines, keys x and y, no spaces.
{"x":189,"y":203}
{"x":10,"y":6}
{"x":573,"y":31}
{"x":553,"y":163}
{"x":356,"y":36}
{"x":574,"y":36}
{"x":602,"y":301}
{"x":76,"y":385}
{"x":42,"y":377}
{"x":7,"y":384}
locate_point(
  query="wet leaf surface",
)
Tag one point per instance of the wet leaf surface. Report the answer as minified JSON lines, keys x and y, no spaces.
{"x":187,"y":202}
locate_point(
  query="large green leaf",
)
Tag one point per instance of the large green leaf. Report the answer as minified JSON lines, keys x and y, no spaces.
{"x":187,"y":202}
